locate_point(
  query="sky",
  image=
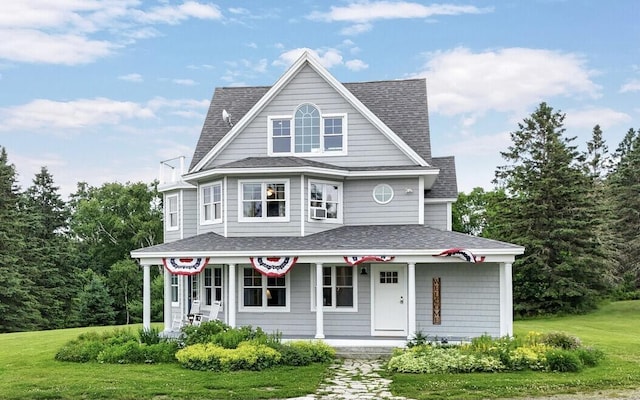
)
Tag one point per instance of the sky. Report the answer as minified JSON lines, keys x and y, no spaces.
{"x":103,"y":90}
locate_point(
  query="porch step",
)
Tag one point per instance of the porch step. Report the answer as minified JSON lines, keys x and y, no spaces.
{"x":364,"y":352}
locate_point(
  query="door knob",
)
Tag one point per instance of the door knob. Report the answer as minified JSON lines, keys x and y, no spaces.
{"x":401,"y":299}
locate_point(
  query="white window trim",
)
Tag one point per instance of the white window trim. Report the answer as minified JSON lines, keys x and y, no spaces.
{"x":264,"y":218}
{"x":201,"y":203}
{"x":177,"y":286}
{"x":340,"y":202}
{"x":264,"y":308}
{"x":322,"y":152}
{"x":213,"y":286}
{"x":167,"y":216}
{"x":373,"y":193}
{"x":334,"y":308}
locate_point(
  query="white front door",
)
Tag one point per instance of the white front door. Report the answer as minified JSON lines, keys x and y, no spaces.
{"x":389,"y":306}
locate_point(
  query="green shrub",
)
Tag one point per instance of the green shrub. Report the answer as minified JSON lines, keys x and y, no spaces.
{"x":124,"y":353}
{"x":560,"y":360}
{"x":212,"y":357}
{"x":434,"y":360}
{"x":80,"y":351}
{"x":589,"y":356}
{"x":561,"y":340}
{"x":149,"y":336}
{"x":203,"y":333}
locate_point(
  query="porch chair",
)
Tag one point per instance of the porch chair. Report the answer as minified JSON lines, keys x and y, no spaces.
{"x":177,"y":323}
{"x":213,"y":314}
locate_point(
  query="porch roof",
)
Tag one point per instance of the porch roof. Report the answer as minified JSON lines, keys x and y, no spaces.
{"x":343,"y":240}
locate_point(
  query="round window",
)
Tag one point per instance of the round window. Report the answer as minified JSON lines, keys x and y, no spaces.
{"x":382,"y":193}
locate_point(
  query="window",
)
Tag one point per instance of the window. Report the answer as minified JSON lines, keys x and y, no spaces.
{"x":325,"y":196}
{"x":171,"y":216}
{"x":212,"y":285}
{"x":195,"y":287}
{"x":265,"y":293}
{"x":264,"y":201}
{"x":307,"y":132}
{"x":383,"y":193}
{"x":339,"y":285}
{"x":211,"y":203}
{"x":174,"y":288}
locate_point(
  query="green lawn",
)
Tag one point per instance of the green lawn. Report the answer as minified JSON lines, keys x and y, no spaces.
{"x":614,"y":329}
{"x":28,"y":371}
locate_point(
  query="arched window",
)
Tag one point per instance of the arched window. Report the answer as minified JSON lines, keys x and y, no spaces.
{"x":307,"y":129}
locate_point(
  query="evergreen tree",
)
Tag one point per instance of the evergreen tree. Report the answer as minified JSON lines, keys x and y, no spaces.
{"x":548,"y":210}
{"x":18,"y":305}
{"x":624,"y":184}
{"x":50,"y":251}
{"x":95,"y":304}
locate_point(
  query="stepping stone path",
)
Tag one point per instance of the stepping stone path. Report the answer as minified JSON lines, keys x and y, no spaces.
{"x":354,"y":379}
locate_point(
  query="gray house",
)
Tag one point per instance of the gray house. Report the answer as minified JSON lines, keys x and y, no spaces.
{"x":316,"y":209}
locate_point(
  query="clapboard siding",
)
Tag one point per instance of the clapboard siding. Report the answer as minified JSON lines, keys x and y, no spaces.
{"x":470,"y":299}
{"x":190,"y":212}
{"x":366,"y":145}
{"x":352,"y":323}
{"x":361,"y":209}
{"x":435,"y":215}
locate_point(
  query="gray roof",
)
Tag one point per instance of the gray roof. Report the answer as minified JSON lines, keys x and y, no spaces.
{"x":401,"y":105}
{"x":342,"y":239}
{"x":446,"y":185}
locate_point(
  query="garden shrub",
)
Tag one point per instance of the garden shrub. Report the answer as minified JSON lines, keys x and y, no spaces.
{"x":123,"y":353}
{"x":560,"y":360}
{"x":561,"y":340}
{"x":212,"y":357}
{"x":434,"y":360}
{"x":80,"y":351}
{"x":589,"y":356}
{"x":149,"y":336}
{"x":203,"y":333}
{"x":299,"y":353}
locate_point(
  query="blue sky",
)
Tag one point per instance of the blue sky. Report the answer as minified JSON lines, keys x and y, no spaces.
{"x":101,"y":91}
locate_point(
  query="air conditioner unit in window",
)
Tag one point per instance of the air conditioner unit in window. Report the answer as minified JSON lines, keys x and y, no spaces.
{"x":318,"y":213}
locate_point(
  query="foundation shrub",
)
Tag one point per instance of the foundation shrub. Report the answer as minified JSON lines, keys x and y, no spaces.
{"x":212,"y":357}
{"x":299,"y":353}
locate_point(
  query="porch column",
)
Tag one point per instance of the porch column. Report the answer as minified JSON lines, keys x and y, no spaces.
{"x":168,"y":317}
{"x":231,"y":307}
{"x":411,"y":282}
{"x":146,"y":296}
{"x":506,"y":299}
{"x":319,"y":303}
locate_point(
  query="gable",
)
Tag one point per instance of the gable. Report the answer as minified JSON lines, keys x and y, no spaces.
{"x":216,"y":136}
{"x":367,"y":146}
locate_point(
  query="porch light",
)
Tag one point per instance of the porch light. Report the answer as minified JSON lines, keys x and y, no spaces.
{"x":363,"y":271}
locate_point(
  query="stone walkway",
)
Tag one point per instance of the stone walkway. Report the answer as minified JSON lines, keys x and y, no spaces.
{"x":353,"y":380}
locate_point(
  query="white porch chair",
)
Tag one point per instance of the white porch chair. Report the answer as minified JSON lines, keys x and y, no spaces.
{"x":177,"y":323}
{"x":213,"y":314}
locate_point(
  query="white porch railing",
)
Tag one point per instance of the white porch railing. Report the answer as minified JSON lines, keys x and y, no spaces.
{"x":171,"y":170}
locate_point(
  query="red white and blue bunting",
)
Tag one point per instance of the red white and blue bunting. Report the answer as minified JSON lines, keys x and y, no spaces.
{"x":463,"y":254}
{"x":355,"y":260}
{"x":185,"y":266}
{"x":273,"y":266}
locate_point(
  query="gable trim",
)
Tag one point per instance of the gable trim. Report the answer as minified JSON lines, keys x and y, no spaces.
{"x":307,"y":58}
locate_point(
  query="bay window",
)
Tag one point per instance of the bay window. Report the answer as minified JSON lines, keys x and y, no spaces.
{"x":211,"y":203}
{"x":264,"y":201}
{"x":171,"y":213}
{"x":325,"y":201}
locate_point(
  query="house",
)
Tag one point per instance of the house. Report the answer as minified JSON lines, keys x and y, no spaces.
{"x":316,"y":209}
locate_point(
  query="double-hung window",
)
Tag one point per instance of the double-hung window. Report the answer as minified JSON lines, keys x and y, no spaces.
{"x":171,"y":213}
{"x":264,"y":293}
{"x":264,"y":201}
{"x":307,"y":131}
{"x":211,"y":203}
{"x":212,"y":285}
{"x":325,"y":201}
{"x":339,"y":288}
{"x":174,"y":288}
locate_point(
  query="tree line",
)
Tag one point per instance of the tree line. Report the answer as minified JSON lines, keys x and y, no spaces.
{"x":576,"y":212}
{"x":66,"y":263}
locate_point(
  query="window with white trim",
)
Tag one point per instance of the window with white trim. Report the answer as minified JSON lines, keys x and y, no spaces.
{"x":264,"y":293}
{"x":211,"y":203}
{"x":339,"y":288}
{"x":325,"y":201}
{"x":195,"y":287}
{"x":308,"y":131}
{"x":212,"y":285}
{"x":171,"y":213}
{"x":382,"y":193}
{"x":264,"y":201}
{"x":174,"y":288}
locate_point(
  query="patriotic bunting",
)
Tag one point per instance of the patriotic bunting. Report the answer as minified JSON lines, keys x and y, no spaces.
{"x":185,"y":266}
{"x":273,"y":266}
{"x":463,"y":254}
{"x":355,"y":260}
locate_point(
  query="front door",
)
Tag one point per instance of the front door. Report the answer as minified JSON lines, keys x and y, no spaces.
{"x":389,"y":299}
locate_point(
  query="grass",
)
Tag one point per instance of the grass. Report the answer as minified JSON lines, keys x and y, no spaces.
{"x":613,"y":329}
{"x":28,"y":371}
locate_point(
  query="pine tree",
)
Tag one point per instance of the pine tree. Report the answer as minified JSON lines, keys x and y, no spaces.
{"x":18,"y":311}
{"x":95,"y":304}
{"x":548,"y":210}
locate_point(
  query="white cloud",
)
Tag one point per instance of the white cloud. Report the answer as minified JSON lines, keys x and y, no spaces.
{"x":66,"y":31}
{"x":507,"y":80}
{"x":365,"y":11}
{"x":50,"y":115}
{"x":589,"y":117}
{"x":631,"y":86}
{"x":356,"y":29}
{"x":131,"y":77}
{"x":184,"y":82}
{"x":327,"y":57}
{"x":356,"y":65}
